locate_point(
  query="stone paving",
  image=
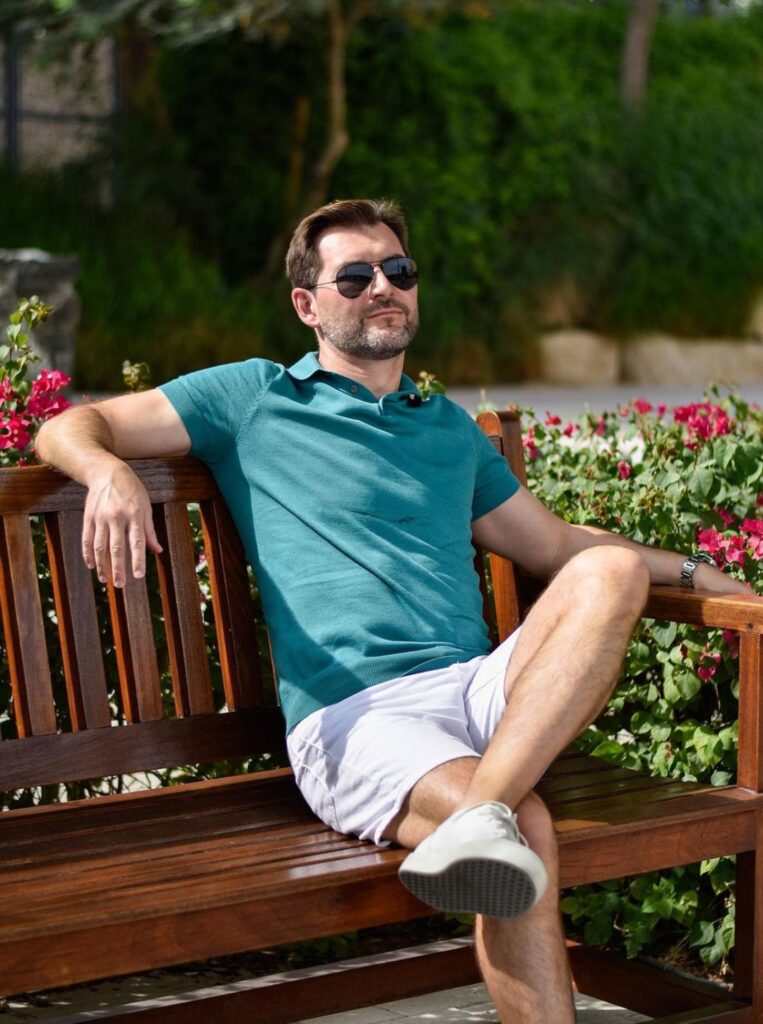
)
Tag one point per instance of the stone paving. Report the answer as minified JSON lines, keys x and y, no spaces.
{"x":569,"y":402}
{"x":467,"y":1005}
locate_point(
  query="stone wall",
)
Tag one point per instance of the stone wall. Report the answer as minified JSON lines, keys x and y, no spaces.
{"x":570,"y":356}
{"x":64,"y":106}
{"x":27,"y":272}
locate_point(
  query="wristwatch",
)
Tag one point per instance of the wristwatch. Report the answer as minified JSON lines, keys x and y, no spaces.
{"x":690,"y":567}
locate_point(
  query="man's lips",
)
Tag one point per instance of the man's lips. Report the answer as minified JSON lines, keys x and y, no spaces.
{"x":387,"y":311}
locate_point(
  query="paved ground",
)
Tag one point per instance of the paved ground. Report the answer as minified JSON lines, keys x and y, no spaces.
{"x":468,"y":1005}
{"x":569,"y":402}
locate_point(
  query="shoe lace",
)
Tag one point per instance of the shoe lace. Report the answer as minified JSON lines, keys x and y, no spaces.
{"x":502,"y":821}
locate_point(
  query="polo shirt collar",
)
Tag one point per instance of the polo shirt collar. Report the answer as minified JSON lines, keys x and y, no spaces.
{"x":308,"y":366}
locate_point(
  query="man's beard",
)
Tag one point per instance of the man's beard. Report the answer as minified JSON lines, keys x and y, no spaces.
{"x":364,"y":339}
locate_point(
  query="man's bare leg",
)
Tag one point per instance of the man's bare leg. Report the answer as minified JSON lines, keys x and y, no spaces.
{"x":561,"y":673}
{"x":563,"y":669}
{"x":523,"y":960}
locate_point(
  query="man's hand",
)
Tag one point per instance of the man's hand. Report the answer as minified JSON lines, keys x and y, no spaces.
{"x":89,"y":444}
{"x":709,"y":578}
{"x":117,"y":517}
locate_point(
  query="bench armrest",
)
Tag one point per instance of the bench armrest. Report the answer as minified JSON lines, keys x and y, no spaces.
{"x":701,"y":608}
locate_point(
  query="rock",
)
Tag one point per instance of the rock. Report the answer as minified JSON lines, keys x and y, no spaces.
{"x":573,"y":357}
{"x":667,"y":361}
{"x":27,"y":272}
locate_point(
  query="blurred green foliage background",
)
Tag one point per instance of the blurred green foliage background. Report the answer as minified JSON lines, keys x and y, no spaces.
{"x":501,"y":132}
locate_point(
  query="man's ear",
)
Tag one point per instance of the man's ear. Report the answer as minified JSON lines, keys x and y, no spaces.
{"x":304,"y":302}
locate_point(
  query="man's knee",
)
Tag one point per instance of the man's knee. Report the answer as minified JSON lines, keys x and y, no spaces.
{"x":613,"y":577}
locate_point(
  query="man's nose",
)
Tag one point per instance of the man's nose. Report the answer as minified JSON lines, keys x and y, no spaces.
{"x":380,"y":284}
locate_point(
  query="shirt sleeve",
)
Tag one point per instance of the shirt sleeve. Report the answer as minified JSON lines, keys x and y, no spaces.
{"x":494,"y":481}
{"x":215,"y":403}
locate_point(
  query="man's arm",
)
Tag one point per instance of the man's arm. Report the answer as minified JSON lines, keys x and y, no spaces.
{"x":89,"y":444}
{"x":528,"y":533}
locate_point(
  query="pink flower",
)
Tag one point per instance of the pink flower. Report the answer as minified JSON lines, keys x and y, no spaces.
{"x":569,"y":430}
{"x":727,"y":518}
{"x":731,"y":637}
{"x":731,"y":550}
{"x":735,"y":550}
{"x":711,"y":540}
{"x":662,"y":409}
{"x":624,"y":410}
{"x":624,"y":469}
{"x":44,"y":407}
{"x":552,"y":421}
{"x":703,"y":421}
{"x":529,"y":444}
{"x":44,"y":400}
{"x":708,"y":665}
{"x":754,"y":530}
{"x":752,"y":526}
{"x":600,"y":426}
{"x":13,"y":431}
{"x":641,"y":405}
{"x":50,"y":380}
{"x":6,"y":391}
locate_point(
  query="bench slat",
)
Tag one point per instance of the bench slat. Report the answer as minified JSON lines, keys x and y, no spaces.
{"x":136,"y":654}
{"x":77,"y":623}
{"x":165,"y":743}
{"x":24,"y":630}
{"x":232,"y":606}
{"x":43,"y":489}
{"x":191,"y":682}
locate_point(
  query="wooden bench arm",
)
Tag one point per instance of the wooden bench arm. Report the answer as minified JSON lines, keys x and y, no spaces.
{"x":701,"y":608}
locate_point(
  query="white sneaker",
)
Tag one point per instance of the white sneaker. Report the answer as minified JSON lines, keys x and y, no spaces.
{"x":476,"y":862}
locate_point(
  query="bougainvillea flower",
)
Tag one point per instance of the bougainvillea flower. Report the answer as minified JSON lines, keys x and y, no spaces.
{"x":624,"y":469}
{"x":14,"y":432}
{"x":530,"y":447}
{"x":641,"y":405}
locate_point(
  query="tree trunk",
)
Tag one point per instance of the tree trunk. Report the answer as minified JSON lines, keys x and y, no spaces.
{"x":635,"y":58}
{"x":337,"y":138}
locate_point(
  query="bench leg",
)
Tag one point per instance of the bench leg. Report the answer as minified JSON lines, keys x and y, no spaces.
{"x":748,"y":943}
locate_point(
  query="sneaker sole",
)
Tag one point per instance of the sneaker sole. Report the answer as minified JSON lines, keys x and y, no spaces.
{"x":474,"y":886}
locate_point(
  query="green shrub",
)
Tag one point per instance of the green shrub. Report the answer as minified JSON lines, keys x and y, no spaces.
{"x":686,"y":479}
{"x":501,"y":133}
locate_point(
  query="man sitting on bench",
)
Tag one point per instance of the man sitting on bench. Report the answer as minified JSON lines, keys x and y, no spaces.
{"x":358,"y":504}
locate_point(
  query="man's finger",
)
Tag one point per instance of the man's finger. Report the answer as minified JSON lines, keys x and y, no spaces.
{"x":151,"y":539}
{"x":101,"y":550}
{"x":88,"y":532}
{"x":117,"y":547}
{"x":138,"y":550}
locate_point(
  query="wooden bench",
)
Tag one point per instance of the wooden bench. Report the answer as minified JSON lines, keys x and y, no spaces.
{"x":120,"y":883}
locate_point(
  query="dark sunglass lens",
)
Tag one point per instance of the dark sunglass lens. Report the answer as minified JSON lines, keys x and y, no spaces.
{"x":352,"y":281}
{"x":401,"y":272}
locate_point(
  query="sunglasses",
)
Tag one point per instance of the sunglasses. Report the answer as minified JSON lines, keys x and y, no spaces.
{"x":352,"y":280}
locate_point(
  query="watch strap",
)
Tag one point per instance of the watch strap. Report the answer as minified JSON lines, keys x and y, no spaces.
{"x":690,"y":567}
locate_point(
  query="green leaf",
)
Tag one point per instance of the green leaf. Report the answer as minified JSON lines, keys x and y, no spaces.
{"x":598,"y":930}
{"x":665,"y":633}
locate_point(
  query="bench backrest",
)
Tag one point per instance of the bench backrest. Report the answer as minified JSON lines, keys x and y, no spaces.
{"x":81,"y":726}
{"x":65,"y":727}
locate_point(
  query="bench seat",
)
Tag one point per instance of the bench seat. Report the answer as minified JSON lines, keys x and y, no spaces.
{"x":124,"y":883}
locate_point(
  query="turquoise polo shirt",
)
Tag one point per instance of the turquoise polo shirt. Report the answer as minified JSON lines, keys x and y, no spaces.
{"x":355,"y":513}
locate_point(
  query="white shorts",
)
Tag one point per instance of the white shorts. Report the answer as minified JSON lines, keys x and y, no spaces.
{"x":356,"y":761}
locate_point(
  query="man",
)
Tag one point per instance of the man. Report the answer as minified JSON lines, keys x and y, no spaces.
{"x":358,"y":503}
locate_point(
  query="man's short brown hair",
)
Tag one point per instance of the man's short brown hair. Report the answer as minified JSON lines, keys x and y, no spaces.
{"x":302,"y":259}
